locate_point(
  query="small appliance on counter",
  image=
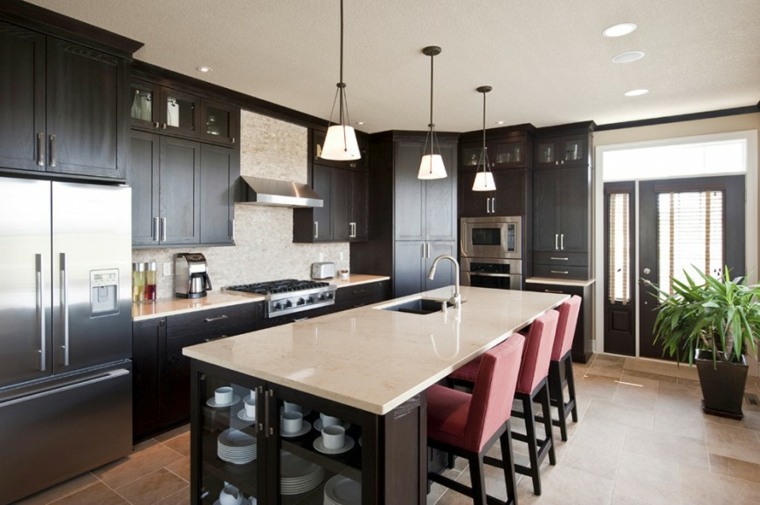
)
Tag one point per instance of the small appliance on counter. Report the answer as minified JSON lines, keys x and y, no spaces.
{"x":325,"y":270}
{"x":191,"y":278}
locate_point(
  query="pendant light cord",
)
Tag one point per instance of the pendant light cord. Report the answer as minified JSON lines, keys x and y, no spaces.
{"x":431,"y":125}
{"x":341,"y":84}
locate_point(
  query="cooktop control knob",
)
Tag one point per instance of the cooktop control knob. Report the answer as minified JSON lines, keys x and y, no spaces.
{"x":276,"y":306}
{"x":309,"y":299}
{"x":301,"y":301}
{"x":328,"y":296}
{"x":288,"y":304}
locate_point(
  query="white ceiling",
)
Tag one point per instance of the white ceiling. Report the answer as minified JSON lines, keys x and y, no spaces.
{"x":546,"y":59}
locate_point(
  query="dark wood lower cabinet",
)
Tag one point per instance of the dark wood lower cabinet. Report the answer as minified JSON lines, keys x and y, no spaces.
{"x":387,"y":461}
{"x":582,"y":342}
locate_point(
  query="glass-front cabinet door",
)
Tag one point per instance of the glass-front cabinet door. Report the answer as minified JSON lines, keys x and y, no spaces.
{"x":507,"y":154}
{"x":180,"y":111}
{"x":143,"y":111}
{"x":218,"y":122}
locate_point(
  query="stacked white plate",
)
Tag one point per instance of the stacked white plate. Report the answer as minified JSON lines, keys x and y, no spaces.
{"x":235,"y":446}
{"x":298,"y":475}
{"x":340,"y":490}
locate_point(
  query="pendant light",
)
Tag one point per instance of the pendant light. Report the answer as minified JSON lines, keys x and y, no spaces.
{"x":484,"y":179}
{"x":431,"y":166}
{"x":340,"y":142}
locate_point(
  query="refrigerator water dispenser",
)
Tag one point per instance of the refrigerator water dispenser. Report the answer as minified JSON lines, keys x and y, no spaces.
{"x":104,"y":292}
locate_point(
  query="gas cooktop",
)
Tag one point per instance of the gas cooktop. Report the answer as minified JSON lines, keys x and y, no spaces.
{"x":287,"y":296}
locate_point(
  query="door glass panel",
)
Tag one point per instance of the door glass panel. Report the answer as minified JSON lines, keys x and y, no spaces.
{"x":690,"y":234}
{"x":508,"y":153}
{"x":142,"y":104}
{"x":217,"y":122}
{"x":180,"y":113}
{"x":619,"y":248}
{"x":573,"y":150}
{"x":546,"y":152}
{"x":471,"y":155}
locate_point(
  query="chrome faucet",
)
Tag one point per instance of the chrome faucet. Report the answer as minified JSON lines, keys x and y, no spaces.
{"x":456,"y":299}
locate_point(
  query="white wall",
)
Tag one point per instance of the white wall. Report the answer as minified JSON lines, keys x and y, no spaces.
{"x":264,"y":248}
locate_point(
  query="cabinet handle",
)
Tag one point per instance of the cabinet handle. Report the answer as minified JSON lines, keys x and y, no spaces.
{"x":270,"y":395}
{"x":260,"y":395}
{"x":163,"y":126}
{"x":562,"y":272}
{"x":53,"y":160}
{"x":215,"y":338}
{"x":493,"y":205}
{"x":218,"y":318}
{"x":156,"y":124}
{"x":316,"y":229}
{"x":163,"y":229}
{"x":555,"y":258}
{"x":154,"y":229}
{"x":561,"y":241}
{"x":41,"y":149}
{"x":556,"y":241}
{"x":232,"y":140}
{"x":556,"y":162}
{"x":488,"y":205}
{"x":554,"y":291}
{"x":41,"y":309}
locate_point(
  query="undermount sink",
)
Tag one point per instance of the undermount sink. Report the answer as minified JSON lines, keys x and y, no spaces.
{"x":420,"y":306}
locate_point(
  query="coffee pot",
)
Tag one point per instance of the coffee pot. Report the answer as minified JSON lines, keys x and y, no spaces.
{"x":191,"y":278}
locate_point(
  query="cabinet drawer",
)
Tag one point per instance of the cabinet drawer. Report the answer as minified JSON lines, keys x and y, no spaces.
{"x":213,"y":323}
{"x":561,"y":258}
{"x":560,"y":271}
{"x":363,"y":294}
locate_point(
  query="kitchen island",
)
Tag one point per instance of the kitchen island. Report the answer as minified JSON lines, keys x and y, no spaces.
{"x":368,"y":366}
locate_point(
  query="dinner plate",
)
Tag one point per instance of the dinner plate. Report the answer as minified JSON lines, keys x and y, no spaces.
{"x":211,"y":402}
{"x":305,"y":428}
{"x":347,"y":446}
{"x":340,"y":490}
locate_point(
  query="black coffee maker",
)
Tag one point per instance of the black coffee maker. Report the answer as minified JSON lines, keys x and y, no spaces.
{"x":191,"y":278}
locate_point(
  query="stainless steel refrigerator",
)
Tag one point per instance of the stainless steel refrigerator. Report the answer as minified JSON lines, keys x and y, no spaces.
{"x":65,"y":331}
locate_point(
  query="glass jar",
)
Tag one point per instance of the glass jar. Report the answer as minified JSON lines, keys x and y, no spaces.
{"x":150,"y":281}
{"x":138,"y":282}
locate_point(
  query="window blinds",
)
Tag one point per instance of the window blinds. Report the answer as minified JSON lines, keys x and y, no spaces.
{"x":620,"y":247}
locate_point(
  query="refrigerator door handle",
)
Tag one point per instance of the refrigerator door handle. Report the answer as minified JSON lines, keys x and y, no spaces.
{"x":65,"y":309}
{"x":41,"y":310}
{"x":113,"y":374}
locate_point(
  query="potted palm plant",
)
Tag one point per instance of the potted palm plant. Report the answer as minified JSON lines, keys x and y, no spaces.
{"x":713,"y":322}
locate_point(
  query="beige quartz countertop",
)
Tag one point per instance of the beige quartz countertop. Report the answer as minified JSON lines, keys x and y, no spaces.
{"x":374,"y":359}
{"x":214,"y":299}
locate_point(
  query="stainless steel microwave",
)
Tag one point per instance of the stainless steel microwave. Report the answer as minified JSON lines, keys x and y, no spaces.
{"x":491,"y":237}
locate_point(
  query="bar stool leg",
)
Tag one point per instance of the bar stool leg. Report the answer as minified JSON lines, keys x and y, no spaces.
{"x":530,"y":432}
{"x":508,"y":465}
{"x":477,"y":475}
{"x":544,"y":396}
{"x":571,"y":386}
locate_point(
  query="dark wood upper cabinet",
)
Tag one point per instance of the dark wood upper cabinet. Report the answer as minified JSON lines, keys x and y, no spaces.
{"x":64,"y":106}
{"x":220,"y":168}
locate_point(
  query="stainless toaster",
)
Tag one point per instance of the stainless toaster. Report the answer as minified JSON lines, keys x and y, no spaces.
{"x":324,"y":270}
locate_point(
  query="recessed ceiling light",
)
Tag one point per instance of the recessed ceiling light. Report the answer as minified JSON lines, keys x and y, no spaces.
{"x":360,"y":123}
{"x":500,"y":122}
{"x":619,"y":30}
{"x":636,"y":92}
{"x":204,"y":69}
{"x":628,"y":57}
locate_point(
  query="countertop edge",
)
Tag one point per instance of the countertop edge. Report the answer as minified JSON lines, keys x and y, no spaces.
{"x":561,"y":282}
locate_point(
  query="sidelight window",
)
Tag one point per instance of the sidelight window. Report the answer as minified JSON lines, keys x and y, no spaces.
{"x":619,"y":247}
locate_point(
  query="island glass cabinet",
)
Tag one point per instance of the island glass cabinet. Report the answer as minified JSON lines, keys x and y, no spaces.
{"x":266,"y":462}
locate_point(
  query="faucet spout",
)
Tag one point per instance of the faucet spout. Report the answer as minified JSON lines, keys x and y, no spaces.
{"x":456,"y":298}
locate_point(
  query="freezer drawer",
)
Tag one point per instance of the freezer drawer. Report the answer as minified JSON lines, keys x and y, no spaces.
{"x":51,"y":435}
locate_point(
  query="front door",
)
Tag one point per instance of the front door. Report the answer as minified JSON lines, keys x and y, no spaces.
{"x":683,"y":223}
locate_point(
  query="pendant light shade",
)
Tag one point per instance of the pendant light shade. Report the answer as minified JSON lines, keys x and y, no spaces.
{"x":484,"y":177}
{"x":340,"y":142}
{"x":431,"y":165}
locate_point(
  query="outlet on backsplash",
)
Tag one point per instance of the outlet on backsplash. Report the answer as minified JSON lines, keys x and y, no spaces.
{"x":168,"y":269}
{"x":321,"y":257}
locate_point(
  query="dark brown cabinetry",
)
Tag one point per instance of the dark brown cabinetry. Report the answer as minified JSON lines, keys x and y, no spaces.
{"x":64,"y":107}
{"x":509,"y":155}
{"x":162,"y":375}
{"x":343,"y":217}
{"x":582,"y":344}
{"x":562,"y":204}
{"x":170,"y":111}
{"x":165,"y":178}
{"x":351,"y":297}
{"x":220,"y":167}
{"x":410,"y":221}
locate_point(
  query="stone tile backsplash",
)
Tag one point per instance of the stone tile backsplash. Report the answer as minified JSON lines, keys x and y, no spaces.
{"x":264,"y":248}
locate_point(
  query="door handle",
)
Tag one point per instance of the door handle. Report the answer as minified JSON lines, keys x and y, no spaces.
{"x":41,"y":149}
{"x":64,"y":288}
{"x":561,"y":241}
{"x":217,"y":318}
{"x":493,"y":205}
{"x":163,"y":229}
{"x":53,"y":160}
{"x":41,"y":310}
{"x":556,"y":241}
{"x":154,"y":230}
{"x":316,"y":229}
{"x":260,"y":394}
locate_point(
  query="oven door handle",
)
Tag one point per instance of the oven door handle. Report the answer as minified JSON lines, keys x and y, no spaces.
{"x":484,"y":274}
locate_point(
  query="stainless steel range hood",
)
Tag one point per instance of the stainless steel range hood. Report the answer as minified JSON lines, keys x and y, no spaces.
{"x":261,"y":191}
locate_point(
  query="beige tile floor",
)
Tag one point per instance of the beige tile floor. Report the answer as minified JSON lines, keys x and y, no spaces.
{"x":641,"y":439}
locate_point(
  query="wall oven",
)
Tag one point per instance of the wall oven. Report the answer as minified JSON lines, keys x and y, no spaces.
{"x":491,"y":237}
{"x":491,"y":252}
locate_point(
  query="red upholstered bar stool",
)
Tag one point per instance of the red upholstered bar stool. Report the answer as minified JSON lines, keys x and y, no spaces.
{"x":532,"y":386}
{"x":468,"y":424}
{"x":561,"y":365}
